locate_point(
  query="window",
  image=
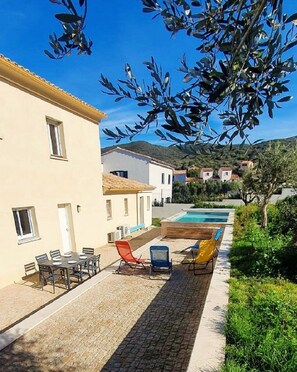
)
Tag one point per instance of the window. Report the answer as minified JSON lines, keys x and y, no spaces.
{"x":25,"y":223}
{"x":120,"y":173}
{"x":163,"y":178}
{"x":169,"y":179}
{"x":148,"y":203}
{"x":108,"y":209}
{"x":56,"y":138}
{"x":126,"y":207}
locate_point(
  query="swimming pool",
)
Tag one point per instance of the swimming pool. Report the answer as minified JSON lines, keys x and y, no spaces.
{"x":196,"y":223}
{"x":202,"y":216}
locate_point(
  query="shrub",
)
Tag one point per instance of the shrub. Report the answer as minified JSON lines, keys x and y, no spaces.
{"x":261,"y":327}
{"x":287,"y":216}
{"x":256,"y":253}
{"x":156,"y":222}
{"x":202,"y":204}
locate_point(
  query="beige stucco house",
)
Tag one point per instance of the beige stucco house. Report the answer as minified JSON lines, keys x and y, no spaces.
{"x":128,"y":205}
{"x":246,"y":164}
{"x":51,"y":184}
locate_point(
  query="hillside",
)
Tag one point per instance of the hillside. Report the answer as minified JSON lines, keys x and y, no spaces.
{"x":221,"y":156}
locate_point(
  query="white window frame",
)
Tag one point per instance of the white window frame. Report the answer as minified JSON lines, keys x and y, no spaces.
{"x":126,"y":207}
{"x":58,"y":138}
{"x":109,"y":209}
{"x":163,"y":178}
{"x":31,"y":223}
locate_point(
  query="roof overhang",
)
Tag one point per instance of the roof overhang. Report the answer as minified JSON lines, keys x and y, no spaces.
{"x":22,"y":78}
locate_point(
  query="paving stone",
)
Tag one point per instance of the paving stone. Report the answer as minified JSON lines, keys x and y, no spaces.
{"x":124,"y":323}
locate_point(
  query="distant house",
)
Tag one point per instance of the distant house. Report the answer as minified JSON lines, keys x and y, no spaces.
{"x":50,"y":177}
{"x":142,"y":168}
{"x":193,"y":179}
{"x":234,"y":178}
{"x":225,"y":174}
{"x":180,"y":176}
{"x":246,"y":164}
{"x":206,"y":174}
{"x":128,"y":205}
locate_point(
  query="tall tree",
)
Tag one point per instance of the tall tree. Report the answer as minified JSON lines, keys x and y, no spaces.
{"x":275,"y":167}
{"x":241,"y":68}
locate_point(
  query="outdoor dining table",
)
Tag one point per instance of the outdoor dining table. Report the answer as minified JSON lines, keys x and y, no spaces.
{"x":68,"y":261}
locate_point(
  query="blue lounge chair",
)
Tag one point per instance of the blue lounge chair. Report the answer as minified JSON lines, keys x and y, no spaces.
{"x":160,"y":259}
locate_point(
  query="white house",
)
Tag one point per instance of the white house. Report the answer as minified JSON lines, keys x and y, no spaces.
{"x":225,"y":174}
{"x":206,"y":173}
{"x":142,"y":168}
{"x":128,"y":205}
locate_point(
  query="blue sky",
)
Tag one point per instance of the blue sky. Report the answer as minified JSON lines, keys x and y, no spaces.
{"x":121,"y":33}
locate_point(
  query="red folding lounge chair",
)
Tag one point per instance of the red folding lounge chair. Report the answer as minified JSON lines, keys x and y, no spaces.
{"x":125,"y":252}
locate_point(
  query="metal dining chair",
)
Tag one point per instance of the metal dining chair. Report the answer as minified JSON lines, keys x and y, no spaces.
{"x":94,"y":264}
{"x":30,"y":269}
{"x":47,"y":274}
{"x":41,"y":258}
{"x":55,"y":253}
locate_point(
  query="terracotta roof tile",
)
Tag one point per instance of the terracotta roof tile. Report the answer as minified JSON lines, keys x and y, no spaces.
{"x":207,"y":169}
{"x":112,"y":183}
{"x":193,"y":179}
{"x":226,"y":169}
{"x":182,"y":171}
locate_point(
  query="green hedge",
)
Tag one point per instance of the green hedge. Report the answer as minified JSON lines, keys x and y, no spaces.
{"x":261,"y":327}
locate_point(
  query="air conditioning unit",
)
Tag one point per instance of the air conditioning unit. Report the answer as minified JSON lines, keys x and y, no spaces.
{"x":125,"y":229}
{"x":114,"y":235}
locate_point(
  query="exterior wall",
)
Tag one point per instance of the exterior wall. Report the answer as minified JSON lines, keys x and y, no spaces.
{"x":162,"y":190}
{"x":133,"y":218}
{"x":140,"y":169}
{"x":31,"y":178}
{"x":137,"y":166}
{"x":225,"y":175}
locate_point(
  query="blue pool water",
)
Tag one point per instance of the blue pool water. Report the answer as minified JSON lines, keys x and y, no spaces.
{"x":203,"y":217}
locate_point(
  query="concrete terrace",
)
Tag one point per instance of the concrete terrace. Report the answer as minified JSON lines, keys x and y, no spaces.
{"x":127,"y":322}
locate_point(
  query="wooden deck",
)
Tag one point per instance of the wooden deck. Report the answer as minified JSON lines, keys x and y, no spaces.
{"x":199,"y":231}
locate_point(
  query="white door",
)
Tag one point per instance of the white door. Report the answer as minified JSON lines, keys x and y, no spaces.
{"x":141,"y":210}
{"x":65,"y":227}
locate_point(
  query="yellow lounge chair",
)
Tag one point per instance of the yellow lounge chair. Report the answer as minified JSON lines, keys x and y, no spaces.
{"x":206,"y":253}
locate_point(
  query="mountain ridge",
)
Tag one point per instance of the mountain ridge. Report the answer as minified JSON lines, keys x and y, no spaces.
{"x":220,"y":156}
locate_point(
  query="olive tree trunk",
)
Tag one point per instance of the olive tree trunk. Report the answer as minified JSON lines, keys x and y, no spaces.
{"x":263,"y":209}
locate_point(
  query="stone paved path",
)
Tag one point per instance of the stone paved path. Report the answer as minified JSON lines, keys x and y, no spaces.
{"x":127,"y":322}
{"x":14,"y":303}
